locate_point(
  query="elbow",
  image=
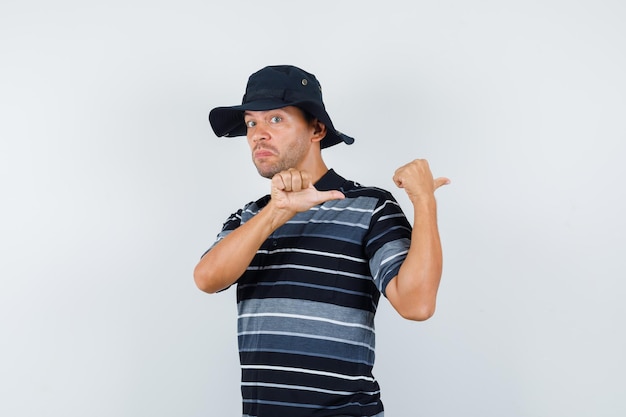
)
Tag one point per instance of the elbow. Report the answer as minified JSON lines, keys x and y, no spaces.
{"x":415,"y":304}
{"x":418,"y":312}
{"x":201,"y":284}
{"x":203,"y":281}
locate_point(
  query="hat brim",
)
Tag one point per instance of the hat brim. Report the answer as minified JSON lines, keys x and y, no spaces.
{"x":229,"y":121}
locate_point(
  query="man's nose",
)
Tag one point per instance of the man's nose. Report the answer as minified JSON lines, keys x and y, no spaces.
{"x":260,"y":132}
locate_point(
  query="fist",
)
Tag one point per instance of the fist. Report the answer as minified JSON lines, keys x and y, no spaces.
{"x":293,"y":190}
{"x":291,"y":180}
{"x":417,"y":180}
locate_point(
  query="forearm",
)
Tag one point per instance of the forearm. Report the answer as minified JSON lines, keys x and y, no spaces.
{"x":415,"y":288}
{"x":229,"y":258}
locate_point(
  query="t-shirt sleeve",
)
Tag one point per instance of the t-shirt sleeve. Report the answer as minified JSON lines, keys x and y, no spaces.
{"x":233,"y":222}
{"x":387,"y":241}
{"x":238,"y":218}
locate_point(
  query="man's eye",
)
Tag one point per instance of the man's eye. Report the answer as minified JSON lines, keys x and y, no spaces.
{"x":276,"y":119}
{"x":250,"y":123}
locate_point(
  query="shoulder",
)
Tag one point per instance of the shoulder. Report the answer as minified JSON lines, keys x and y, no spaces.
{"x":355,"y":190}
{"x":350,"y":188}
{"x":359,"y":189}
{"x":246,"y":212}
{"x":256,"y":206}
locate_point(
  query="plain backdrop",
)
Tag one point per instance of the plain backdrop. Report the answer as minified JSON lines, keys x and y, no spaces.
{"x":112,"y":185}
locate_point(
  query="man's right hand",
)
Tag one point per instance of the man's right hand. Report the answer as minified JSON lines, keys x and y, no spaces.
{"x":293,"y":191}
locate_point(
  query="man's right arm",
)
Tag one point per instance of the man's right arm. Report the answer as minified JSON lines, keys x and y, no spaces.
{"x":228,"y":259}
{"x":292,"y":192}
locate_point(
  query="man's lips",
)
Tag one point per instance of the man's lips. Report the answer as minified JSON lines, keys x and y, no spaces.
{"x":263,"y":153}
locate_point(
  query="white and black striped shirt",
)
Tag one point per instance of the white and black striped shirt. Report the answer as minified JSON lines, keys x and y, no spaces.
{"x":307,"y":302}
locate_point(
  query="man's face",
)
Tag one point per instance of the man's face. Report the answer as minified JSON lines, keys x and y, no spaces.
{"x":279,"y":139}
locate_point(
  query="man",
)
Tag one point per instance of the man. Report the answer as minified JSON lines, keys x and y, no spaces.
{"x":311,"y":258}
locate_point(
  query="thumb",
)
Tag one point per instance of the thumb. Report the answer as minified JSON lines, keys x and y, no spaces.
{"x":324,"y":196}
{"x":438,"y":182}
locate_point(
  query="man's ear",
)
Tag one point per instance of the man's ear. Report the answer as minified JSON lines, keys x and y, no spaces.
{"x":319,"y":130}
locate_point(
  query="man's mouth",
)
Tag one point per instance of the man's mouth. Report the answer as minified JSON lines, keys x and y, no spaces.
{"x":263,"y":153}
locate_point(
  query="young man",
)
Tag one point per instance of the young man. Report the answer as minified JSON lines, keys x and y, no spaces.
{"x":311,"y":258}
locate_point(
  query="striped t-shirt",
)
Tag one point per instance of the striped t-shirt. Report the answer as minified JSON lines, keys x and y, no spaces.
{"x":307,"y":302}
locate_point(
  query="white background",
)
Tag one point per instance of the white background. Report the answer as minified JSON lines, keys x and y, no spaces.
{"x":112,"y":186}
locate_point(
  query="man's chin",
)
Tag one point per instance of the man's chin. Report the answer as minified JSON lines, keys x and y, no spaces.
{"x":266,"y":172}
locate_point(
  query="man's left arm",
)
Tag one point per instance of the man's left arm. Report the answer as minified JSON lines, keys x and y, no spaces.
{"x":413,"y":292}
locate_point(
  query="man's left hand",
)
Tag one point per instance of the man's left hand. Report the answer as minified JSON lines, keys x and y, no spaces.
{"x":417,"y":180}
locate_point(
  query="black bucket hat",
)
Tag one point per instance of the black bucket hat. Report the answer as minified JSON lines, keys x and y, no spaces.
{"x":275,"y":87}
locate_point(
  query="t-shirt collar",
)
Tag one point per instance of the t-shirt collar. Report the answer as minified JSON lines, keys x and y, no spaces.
{"x":330,"y":181}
